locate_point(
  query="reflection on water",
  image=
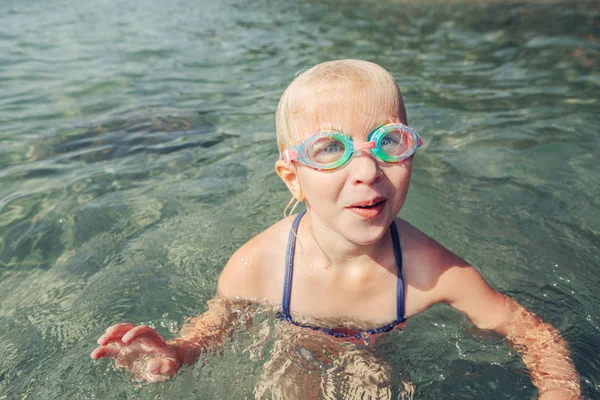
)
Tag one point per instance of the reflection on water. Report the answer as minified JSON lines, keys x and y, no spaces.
{"x":304,"y":365}
{"x":136,"y":154}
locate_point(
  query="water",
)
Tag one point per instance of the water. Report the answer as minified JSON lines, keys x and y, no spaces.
{"x":137,"y":149}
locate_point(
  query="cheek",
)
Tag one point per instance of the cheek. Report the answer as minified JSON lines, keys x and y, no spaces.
{"x":319,"y":185}
{"x":406,"y":173}
{"x":404,"y":182}
{"x":400,"y":175}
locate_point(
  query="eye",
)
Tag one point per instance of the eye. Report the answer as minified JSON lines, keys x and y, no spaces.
{"x":389,"y":140}
{"x":394,"y":143}
{"x":326,"y":150}
{"x":333,"y":147}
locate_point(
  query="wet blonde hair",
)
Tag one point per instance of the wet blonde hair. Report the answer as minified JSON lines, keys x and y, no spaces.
{"x":360,"y":81}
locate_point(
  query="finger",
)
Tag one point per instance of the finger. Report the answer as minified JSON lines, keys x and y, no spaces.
{"x":163,"y":366}
{"x":114,"y":333}
{"x":104,"y":351}
{"x":145,"y":335}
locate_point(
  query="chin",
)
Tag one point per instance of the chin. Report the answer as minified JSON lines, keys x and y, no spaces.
{"x":367,"y":235}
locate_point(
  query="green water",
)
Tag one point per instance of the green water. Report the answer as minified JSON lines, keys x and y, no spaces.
{"x":137,"y":149}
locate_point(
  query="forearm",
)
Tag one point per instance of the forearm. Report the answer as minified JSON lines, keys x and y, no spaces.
{"x":545,"y":353}
{"x":547,"y":357}
{"x":208,"y":331}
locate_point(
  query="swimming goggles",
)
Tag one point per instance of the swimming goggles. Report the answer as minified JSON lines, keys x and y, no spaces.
{"x":331,"y":149}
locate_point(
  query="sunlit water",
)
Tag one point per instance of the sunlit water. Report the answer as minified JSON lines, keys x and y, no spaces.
{"x":137,"y":149}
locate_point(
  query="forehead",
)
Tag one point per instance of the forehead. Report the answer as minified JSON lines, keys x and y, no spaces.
{"x":355,"y":109}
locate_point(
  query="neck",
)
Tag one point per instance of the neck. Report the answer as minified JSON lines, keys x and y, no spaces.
{"x":337,"y":250}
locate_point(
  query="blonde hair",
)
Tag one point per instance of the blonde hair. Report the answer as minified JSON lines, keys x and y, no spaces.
{"x":359,"y":80}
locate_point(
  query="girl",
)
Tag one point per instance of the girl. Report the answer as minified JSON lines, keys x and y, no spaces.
{"x":348,"y":268}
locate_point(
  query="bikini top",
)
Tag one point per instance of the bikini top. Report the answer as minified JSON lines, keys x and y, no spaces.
{"x":340,"y":332}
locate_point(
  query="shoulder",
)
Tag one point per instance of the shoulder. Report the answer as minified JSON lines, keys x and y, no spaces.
{"x":434,"y":274}
{"x":255,"y":270}
{"x":425,"y":258}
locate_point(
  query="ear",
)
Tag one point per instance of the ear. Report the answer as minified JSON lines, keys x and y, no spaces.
{"x":288,"y":174}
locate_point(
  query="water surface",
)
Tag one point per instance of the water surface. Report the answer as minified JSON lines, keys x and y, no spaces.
{"x":137,"y":149}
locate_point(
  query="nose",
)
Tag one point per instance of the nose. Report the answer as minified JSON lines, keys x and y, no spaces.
{"x":364,"y":167}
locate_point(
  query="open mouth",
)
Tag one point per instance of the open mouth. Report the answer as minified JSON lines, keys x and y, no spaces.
{"x":369,"y":209}
{"x":371,"y":205}
{"x":368,"y":204}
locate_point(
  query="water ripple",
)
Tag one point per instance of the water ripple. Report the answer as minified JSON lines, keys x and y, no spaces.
{"x":136,"y":154}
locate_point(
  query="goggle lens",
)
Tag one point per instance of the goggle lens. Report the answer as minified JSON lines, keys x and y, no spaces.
{"x":326,"y":150}
{"x":394,"y":142}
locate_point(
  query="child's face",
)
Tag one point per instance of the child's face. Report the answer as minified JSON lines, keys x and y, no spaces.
{"x":360,"y":199}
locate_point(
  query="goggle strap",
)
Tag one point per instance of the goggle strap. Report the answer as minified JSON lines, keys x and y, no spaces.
{"x":289,"y":156}
{"x":364,"y":145}
{"x":419,"y":142}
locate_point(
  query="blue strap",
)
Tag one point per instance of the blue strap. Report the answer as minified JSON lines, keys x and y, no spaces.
{"x":400,"y":285}
{"x":289,"y":267}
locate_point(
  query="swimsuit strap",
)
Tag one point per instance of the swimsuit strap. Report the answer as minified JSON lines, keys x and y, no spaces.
{"x":289,"y":267}
{"x":400,"y":284}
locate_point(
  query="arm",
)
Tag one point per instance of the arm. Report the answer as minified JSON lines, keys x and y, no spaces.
{"x":434,"y":274}
{"x":544,"y":351}
{"x":149,"y":357}
{"x":210,"y":330}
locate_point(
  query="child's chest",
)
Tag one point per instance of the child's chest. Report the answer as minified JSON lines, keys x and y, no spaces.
{"x":358,"y":293}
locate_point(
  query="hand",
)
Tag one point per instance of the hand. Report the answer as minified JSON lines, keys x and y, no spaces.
{"x":139,"y":349}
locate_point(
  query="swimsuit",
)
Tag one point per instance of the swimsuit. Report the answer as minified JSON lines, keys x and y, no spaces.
{"x":340,"y":332}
